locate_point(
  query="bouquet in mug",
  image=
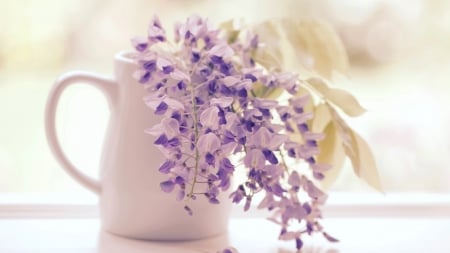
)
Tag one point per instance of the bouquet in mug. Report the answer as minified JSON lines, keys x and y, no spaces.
{"x":257,"y":99}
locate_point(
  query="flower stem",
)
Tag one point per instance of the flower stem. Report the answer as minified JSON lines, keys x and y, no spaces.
{"x":283,"y":161}
{"x":196,"y":132}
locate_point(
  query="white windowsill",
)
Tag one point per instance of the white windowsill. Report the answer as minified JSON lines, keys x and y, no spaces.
{"x":370,"y":223}
{"x":408,"y":205}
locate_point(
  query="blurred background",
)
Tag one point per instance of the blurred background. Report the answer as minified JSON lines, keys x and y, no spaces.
{"x":399,"y":52}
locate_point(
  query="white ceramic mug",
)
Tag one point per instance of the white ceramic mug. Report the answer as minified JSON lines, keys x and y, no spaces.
{"x":131,"y":201}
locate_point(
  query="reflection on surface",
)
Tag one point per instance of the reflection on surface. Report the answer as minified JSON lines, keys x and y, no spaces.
{"x":317,"y":249}
{"x":109,"y":243}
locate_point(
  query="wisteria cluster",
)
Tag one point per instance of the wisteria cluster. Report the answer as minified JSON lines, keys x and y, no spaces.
{"x":202,"y":85}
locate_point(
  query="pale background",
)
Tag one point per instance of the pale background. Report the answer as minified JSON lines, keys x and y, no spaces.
{"x":400,"y":54}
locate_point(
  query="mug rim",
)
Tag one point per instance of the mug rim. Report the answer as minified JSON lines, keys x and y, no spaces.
{"x":125,"y":56}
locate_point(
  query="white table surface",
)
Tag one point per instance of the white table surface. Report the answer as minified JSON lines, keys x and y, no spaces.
{"x":362,"y":235}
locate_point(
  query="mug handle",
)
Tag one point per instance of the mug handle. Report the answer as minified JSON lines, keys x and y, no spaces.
{"x":105,"y":84}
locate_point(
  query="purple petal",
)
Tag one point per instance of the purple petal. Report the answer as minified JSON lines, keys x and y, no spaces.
{"x":303,"y":127}
{"x":225,"y":90}
{"x":318,"y":175}
{"x":167,"y":69}
{"x":150,"y":66}
{"x":145,"y":77}
{"x":179,"y":75}
{"x":229,"y":148}
{"x":276,"y":140}
{"x":222,"y":101}
{"x":174,"y":104}
{"x":248,"y":202}
{"x":329,"y":237}
{"x":312,"y":190}
{"x":267,"y":201}
{"x":307,"y":208}
{"x":221,"y":50}
{"x":265,"y":103}
{"x":161,"y":108}
{"x":238,"y":195}
{"x":180,"y":195}
{"x":309,"y":136}
{"x":242,"y":93}
{"x":294,"y":179}
{"x":298,"y":243}
{"x":188,"y":210}
{"x":230,"y":81}
{"x":208,"y":143}
{"x":139,"y":43}
{"x":155,"y":130}
{"x":166,"y":166}
{"x":179,"y":180}
{"x":228,"y":137}
{"x":181,"y":85}
{"x":299,"y":102}
{"x":254,"y":159}
{"x":302,"y":118}
{"x":261,"y":138}
{"x":171,"y":127}
{"x":162,"y":140}
{"x":212,"y":86}
{"x":229,"y":250}
{"x":195,"y":57}
{"x":167,"y":186}
{"x":174,"y":142}
{"x":210,"y":118}
{"x":251,"y":77}
{"x":226,"y":165}
{"x":226,"y":68}
{"x":155,"y":30}
{"x":216,"y":59}
{"x":270,"y":156}
{"x":214,"y":201}
{"x":210,"y":159}
{"x":277,"y":190}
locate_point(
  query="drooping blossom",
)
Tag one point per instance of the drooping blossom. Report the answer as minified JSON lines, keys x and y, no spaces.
{"x":203,"y":90}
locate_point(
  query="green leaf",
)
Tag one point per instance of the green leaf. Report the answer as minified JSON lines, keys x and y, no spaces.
{"x":332,"y":153}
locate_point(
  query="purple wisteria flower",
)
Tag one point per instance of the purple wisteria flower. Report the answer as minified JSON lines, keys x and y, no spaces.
{"x":203,"y":89}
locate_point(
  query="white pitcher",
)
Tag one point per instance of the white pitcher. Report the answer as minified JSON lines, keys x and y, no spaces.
{"x":131,"y":201}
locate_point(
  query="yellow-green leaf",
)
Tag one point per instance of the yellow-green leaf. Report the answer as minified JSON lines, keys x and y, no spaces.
{"x":338,"y":97}
{"x":345,"y":101}
{"x":269,"y":54}
{"x":273,"y":93}
{"x":332,"y":153}
{"x":358,"y":151}
{"x":231,"y":32}
{"x":363,"y":162}
{"x":319,"y":85}
{"x":319,"y":41}
{"x":322,"y":118}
